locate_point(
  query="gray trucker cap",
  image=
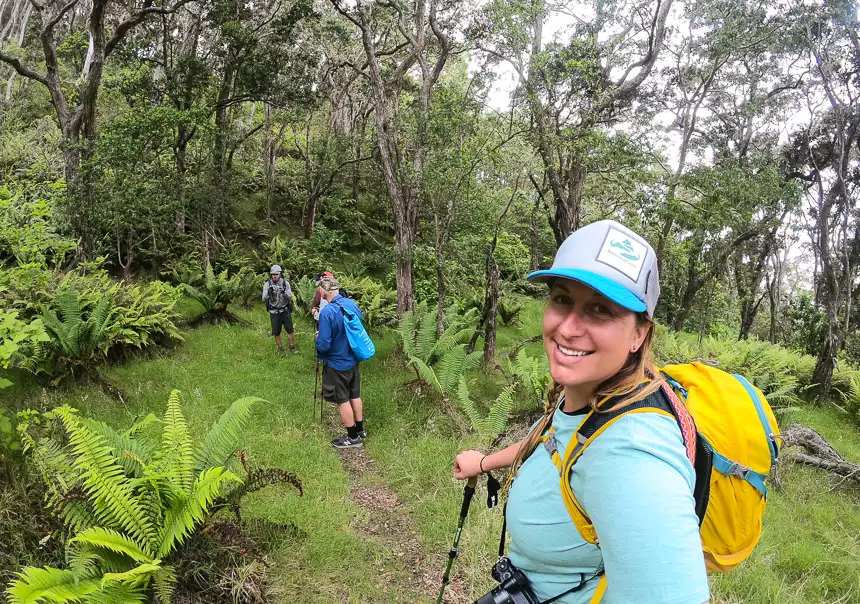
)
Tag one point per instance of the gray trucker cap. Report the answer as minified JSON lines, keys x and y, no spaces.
{"x":612,"y":259}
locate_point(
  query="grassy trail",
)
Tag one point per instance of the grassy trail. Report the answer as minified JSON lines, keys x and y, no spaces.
{"x":375,"y":525}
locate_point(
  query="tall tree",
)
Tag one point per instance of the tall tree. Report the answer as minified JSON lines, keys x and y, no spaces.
{"x":417,"y":27}
{"x":574,"y":86}
{"x":822,"y":156}
{"x":74,"y":99}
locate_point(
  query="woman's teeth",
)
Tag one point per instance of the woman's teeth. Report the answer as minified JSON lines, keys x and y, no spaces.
{"x":569,"y":352}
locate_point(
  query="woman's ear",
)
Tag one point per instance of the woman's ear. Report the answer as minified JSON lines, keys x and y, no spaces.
{"x":639,"y":334}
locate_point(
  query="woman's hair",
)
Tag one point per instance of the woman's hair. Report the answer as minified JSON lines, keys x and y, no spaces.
{"x":625,"y":387}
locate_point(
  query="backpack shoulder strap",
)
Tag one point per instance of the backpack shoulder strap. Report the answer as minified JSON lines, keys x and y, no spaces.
{"x":663,"y":402}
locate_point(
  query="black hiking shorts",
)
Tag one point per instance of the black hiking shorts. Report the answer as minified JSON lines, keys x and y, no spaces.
{"x":340,"y":387}
{"x":281,"y":319}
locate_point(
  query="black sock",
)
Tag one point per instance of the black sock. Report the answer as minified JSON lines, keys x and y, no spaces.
{"x":352,"y":431}
{"x":359,"y":425}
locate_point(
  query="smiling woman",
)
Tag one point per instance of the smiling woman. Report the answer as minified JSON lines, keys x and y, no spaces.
{"x":635,"y":483}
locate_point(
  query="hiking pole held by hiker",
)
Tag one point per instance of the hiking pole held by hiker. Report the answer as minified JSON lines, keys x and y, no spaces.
{"x":316,"y":391}
{"x":468,"y":493}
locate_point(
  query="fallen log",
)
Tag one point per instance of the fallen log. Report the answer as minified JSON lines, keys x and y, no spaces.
{"x":818,"y":453}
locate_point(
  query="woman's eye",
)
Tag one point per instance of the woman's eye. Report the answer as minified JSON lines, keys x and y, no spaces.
{"x":601,"y":309}
{"x":561,"y":299}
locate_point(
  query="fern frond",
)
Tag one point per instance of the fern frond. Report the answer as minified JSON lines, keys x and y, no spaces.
{"x":117,"y":593}
{"x":177,"y":453}
{"x":427,"y":374}
{"x":496,"y":421}
{"x":104,"y":480}
{"x":406,"y":331}
{"x":113,"y":540}
{"x":137,"y":575}
{"x":49,"y":584}
{"x":122,"y":446}
{"x":223,"y":438}
{"x":466,"y":403}
{"x":187,"y":512}
{"x":164,"y":584}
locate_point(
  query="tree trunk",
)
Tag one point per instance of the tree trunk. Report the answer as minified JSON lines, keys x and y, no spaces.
{"x":491,"y":306}
{"x":822,"y":375}
{"x":534,"y":261}
{"x":441,"y":288}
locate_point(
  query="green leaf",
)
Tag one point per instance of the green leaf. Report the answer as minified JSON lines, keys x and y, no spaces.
{"x":49,"y":585}
{"x":114,"y":541}
{"x":223,"y":438}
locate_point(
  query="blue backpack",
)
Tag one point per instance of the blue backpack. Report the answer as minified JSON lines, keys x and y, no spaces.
{"x":359,"y":342}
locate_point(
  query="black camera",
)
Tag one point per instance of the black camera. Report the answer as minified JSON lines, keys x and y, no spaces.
{"x":514,"y":586}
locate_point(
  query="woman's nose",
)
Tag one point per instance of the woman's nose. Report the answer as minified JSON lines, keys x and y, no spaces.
{"x":572,"y":325}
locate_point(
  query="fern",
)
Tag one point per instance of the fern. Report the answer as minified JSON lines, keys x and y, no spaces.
{"x":176,"y":453}
{"x":117,"y":593}
{"x":223,"y":438}
{"x":103,"y":478}
{"x":188,"y":512}
{"x":113,"y":540}
{"x":126,"y":521}
{"x":496,"y":420}
{"x":50,"y":584}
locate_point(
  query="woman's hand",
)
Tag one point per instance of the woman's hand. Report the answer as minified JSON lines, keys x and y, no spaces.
{"x":467,"y":464}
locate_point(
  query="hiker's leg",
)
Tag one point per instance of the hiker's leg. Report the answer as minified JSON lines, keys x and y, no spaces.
{"x":276,"y":329}
{"x":291,"y":331}
{"x":355,"y":393}
{"x":355,"y":409}
{"x":346,"y":415}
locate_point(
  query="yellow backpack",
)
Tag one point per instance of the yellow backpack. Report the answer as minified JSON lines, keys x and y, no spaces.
{"x":731,"y":437}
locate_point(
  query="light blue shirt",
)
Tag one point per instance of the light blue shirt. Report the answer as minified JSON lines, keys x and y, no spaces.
{"x":636,"y":484}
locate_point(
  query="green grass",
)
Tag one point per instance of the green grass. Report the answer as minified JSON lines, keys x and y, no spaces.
{"x":809,"y":551}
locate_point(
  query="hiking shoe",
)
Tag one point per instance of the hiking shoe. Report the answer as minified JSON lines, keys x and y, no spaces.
{"x":362,"y":434}
{"x":345,"y":442}
{"x":294,"y":350}
{"x":281,"y":351}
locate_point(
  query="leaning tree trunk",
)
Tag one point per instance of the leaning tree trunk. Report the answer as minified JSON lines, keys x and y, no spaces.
{"x":818,"y":452}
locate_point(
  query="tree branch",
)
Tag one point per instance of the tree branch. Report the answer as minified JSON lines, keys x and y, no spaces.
{"x":22,"y":70}
{"x":137,"y":18}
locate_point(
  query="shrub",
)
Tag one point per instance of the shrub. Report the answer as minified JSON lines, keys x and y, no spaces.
{"x":130,"y":503}
{"x":781,"y":374}
{"x":440,"y":362}
{"x":215,"y":295}
{"x":510,"y":308}
{"x":378,"y":303}
{"x":16,"y":334}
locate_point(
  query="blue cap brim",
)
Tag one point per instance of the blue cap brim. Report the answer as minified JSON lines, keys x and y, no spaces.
{"x":609,"y":288}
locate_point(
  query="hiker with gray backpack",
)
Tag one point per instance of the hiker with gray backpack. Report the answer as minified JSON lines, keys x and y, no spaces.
{"x":341,"y":344}
{"x":278,"y":296}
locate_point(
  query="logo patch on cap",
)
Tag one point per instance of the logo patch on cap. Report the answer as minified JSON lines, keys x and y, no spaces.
{"x":623,"y":253}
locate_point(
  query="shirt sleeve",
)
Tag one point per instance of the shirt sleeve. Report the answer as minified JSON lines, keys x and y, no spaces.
{"x":265,"y":291}
{"x":636,"y":484}
{"x":289,"y":290}
{"x":324,"y":337}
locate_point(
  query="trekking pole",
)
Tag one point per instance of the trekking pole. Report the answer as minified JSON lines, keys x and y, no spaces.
{"x":468,"y":492}
{"x":316,"y":391}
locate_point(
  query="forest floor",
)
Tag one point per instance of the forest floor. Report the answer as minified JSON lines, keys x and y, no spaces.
{"x":375,"y":524}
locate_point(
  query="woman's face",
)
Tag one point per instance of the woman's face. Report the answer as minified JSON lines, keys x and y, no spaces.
{"x":587,"y":336}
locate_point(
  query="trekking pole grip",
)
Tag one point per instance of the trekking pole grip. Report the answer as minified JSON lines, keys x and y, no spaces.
{"x":468,"y":493}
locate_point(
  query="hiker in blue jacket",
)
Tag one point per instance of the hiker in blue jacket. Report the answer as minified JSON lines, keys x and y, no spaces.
{"x":341,"y":379}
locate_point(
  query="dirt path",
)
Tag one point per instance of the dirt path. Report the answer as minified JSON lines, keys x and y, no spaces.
{"x":405,"y":564}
